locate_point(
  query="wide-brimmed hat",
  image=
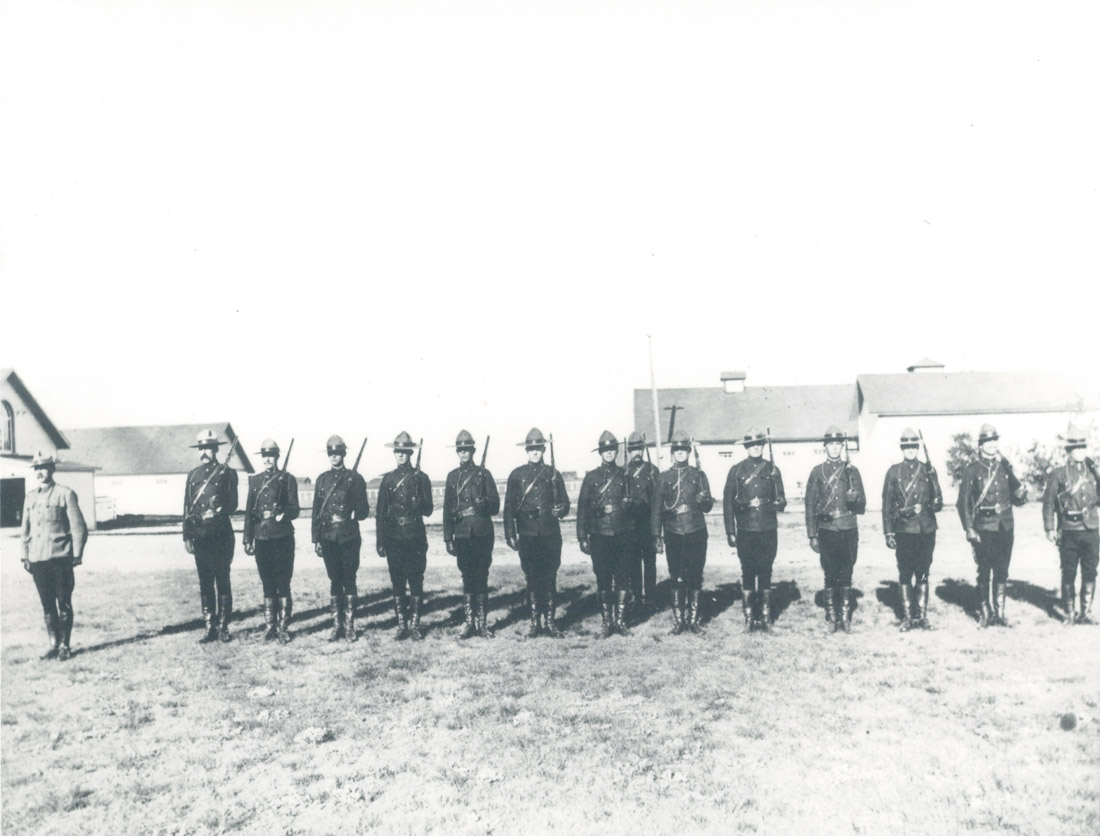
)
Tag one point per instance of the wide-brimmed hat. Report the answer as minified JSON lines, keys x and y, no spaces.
{"x":269,"y":447}
{"x":534,"y":439}
{"x":635,"y":441}
{"x":464,"y":441}
{"x":607,"y":442}
{"x":834,"y":433}
{"x":42,"y":459}
{"x":987,"y":433}
{"x":680,"y":441}
{"x":909,"y":438}
{"x":403,"y":443}
{"x":754,"y":435}
{"x":335,"y":446}
{"x":205,"y":439}
{"x":1075,"y":437}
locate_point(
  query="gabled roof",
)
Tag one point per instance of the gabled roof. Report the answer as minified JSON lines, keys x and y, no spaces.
{"x":926,"y":363}
{"x":56,"y":436}
{"x":161,"y":449}
{"x":976,"y":393}
{"x":712,"y":416}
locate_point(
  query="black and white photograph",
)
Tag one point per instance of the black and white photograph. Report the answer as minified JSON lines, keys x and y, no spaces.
{"x":665,"y":417}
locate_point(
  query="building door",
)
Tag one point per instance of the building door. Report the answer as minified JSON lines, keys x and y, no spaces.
{"x":12,"y":494}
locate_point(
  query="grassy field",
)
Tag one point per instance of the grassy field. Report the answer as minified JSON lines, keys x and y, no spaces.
{"x":950,"y":731}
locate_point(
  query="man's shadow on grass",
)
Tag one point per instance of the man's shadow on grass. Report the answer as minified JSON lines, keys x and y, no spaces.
{"x":960,"y":594}
{"x":724,"y":596}
{"x":1037,"y":596}
{"x":889,"y":595}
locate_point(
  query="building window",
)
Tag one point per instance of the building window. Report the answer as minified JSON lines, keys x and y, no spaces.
{"x":7,"y":429}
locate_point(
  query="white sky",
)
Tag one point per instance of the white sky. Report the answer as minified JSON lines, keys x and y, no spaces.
{"x":361,"y":217}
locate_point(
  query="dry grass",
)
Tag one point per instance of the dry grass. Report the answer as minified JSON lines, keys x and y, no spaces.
{"x":950,"y":731}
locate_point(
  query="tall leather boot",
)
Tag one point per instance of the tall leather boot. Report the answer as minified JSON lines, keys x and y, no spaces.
{"x":65,"y":627}
{"x":606,"y":606}
{"x":402,"y":612}
{"x":336,"y":607}
{"x":1069,"y":602}
{"x":1088,"y":593}
{"x":906,"y":604}
{"x":271,"y":631}
{"x":225,"y":613}
{"x":1000,"y":592}
{"x":677,"y":610}
{"x":845,"y":616}
{"x":922,"y":606}
{"x":985,"y":614}
{"x":533,"y":605}
{"x":350,"y":602}
{"x":693,"y":612}
{"x":469,"y":626}
{"x":414,"y":618}
{"x":481,"y":618}
{"x":285,"y":608}
{"x":53,"y":630}
{"x":828,"y":596}
{"x":746,"y":608}
{"x":210,"y":633}
{"x":622,"y":602}
{"x":552,"y":629}
{"x":766,"y":610}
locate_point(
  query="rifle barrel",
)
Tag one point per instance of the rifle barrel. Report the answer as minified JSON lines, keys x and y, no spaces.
{"x":289,"y":450}
{"x":355,"y":467}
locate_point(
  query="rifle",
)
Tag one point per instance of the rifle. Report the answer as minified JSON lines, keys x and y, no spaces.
{"x":484,"y":453}
{"x":771,"y":452}
{"x":927,"y":455}
{"x":416,"y":470}
{"x":289,"y":450}
{"x":553,"y":473}
{"x":626,"y":468}
{"x":848,"y":465}
{"x":695,"y":451}
{"x":355,"y":467}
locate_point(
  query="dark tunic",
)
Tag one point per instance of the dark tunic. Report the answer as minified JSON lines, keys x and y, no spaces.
{"x":269,"y":495}
{"x":911,"y":498}
{"x":339,"y":503}
{"x":827,"y":505}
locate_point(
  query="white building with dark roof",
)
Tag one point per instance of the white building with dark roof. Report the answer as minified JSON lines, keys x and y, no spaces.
{"x":143,"y":470}
{"x":26,"y":429}
{"x":1024,"y":406}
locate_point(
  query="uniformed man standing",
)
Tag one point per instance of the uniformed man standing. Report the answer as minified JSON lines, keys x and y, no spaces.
{"x":404,"y":499}
{"x":752,"y":497}
{"x":339,"y":504}
{"x":683,"y":497}
{"x":911,"y":498}
{"x":534,"y":503}
{"x":54,"y":535}
{"x":604,"y":532}
{"x":210,"y":496}
{"x":642,"y":549}
{"x":1070,"y":518}
{"x":470,"y":500}
{"x":987,"y":492}
{"x":834,"y":496}
{"x":269,"y":535}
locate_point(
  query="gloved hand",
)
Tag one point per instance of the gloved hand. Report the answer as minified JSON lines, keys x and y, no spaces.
{"x":513,"y":542}
{"x":586,"y":547}
{"x":26,"y":564}
{"x":659,"y":544}
{"x":559,"y":511}
{"x":187,"y":544}
{"x":814,"y":545}
{"x":482,"y":504}
{"x":249,"y":547}
{"x":702,"y":498}
{"x":280,"y":512}
{"x":891,"y":541}
{"x":852,"y":496}
{"x":732,"y":540}
{"x":317,"y":548}
{"x":1053,"y":537}
{"x":1021,"y":493}
{"x":78,"y":559}
{"x":380,"y":549}
{"x":973,"y":536}
{"x":627,"y":503}
{"x":450,"y":544}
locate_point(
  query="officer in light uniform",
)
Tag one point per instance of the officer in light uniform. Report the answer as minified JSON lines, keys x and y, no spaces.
{"x":834,"y":496}
{"x":1070,"y":518}
{"x":269,"y":535}
{"x":911,"y":498}
{"x":683,"y":497}
{"x":54,"y":535}
{"x":534,"y":503}
{"x":750,"y":501}
{"x":643,"y":550}
{"x":604,"y":532}
{"x":404,"y":499}
{"x":470,"y":500}
{"x":987,"y":491}
{"x":339,"y":505}
{"x":210,"y":496}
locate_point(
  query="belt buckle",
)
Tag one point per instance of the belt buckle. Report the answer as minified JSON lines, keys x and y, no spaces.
{"x":681,"y":509}
{"x":338,"y":518}
{"x":609,"y":508}
{"x":208,"y":514}
{"x":268,"y":515}
{"x":467,"y":512}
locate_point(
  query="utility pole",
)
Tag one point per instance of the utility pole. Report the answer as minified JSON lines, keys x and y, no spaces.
{"x":656,"y":407}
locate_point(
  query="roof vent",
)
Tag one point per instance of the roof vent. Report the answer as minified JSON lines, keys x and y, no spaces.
{"x":925,"y":365}
{"x":733,"y":382}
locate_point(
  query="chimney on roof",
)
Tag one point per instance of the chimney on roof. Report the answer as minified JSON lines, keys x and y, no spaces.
{"x":733,"y":382}
{"x":925,"y":365}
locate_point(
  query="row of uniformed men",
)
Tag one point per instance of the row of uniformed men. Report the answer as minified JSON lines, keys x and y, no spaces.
{"x":625,"y":516}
